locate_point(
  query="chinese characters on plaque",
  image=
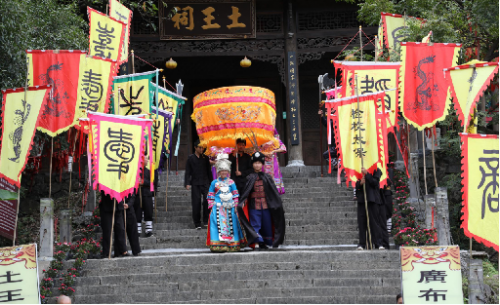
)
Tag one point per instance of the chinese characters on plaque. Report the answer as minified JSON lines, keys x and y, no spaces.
{"x":208,"y":20}
{"x":431,"y":275}
{"x":292,"y":94}
{"x":18,"y":275}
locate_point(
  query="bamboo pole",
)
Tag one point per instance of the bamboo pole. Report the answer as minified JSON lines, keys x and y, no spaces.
{"x":363,"y":166}
{"x":409,"y":149}
{"x":168,"y":159}
{"x":125,"y":218}
{"x":71,"y":172}
{"x":166,"y":187}
{"x":434,"y":160}
{"x":360,"y":43}
{"x":376,"y":48}
{"x":50,"y":166}
{"x":321,"y":133}
{"x":423,"y":153}
{"x":112,"y":229}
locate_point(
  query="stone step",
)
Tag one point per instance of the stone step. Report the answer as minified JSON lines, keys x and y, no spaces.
{"x":333,"y":201}
{"x":246,"y":275}
{"x":349,"y":295}
{"x":326,"y":265}
{"x":289,"y":210}
{"x":207,"y":287}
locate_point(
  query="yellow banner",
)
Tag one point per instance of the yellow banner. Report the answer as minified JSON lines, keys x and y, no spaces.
{"x":393,"y":24}
{"x":19,"y":275}
{"x":132,"y":93}
{"x":431,"y":275}
{"x":20,"y":118}
{"x":468,"y":82}
{"x":359,"y":142}
{"x":121,"y":13}
{"x":94,"y":85}
{"x":168,"y":102}
{"x":106,"y":35}
{"x":119,"y":156}
{"x":480,"y":188}
{"x":160,"y":131}
{"x":373,"y":77}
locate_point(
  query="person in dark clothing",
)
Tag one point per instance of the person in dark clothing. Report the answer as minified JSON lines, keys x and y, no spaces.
{"x":382,"y":221}
{"x":197,"y":179}
{"x":371,"y":184}
{"x":388,"y":190}
{"x":131,"y":227}
{"x":241,"y":167}
{"x":106,"y":209}
{"x":145,"y":204}
{"x":264,"y":208}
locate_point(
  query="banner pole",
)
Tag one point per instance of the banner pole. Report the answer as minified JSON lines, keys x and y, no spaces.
{"x":321,"y":129}
{"x":17,"y":213}
{"x":71,"y":172}
{"x":125,"y":217}
{"x":423,"y":155}
{"x":409,"y":149}
{"x":112,"y":229}
{"x":433,"y":159}
{"x":362,"y":163}
{"x":169,"y":154}
{"x":50,"y":167}
{"x":360,"y":43}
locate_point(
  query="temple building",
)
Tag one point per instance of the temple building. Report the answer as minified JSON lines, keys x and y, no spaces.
{"x":289,"y":43}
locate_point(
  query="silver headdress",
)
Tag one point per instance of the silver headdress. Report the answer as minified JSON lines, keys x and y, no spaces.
{"x":223,"y":163}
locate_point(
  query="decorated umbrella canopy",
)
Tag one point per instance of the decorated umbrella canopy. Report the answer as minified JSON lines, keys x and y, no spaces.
{"x":225,"y":114}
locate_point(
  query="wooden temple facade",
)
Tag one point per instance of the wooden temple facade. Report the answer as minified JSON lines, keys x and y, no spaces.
{"x":313,"y":32}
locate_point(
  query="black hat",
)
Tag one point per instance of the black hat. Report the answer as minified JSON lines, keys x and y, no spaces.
{"x":238,"y":141}
{"x":258,"y":156}
{"x":197,"y":143}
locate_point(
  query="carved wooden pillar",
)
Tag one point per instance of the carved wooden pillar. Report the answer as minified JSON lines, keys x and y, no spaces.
{"x":293,"y":122}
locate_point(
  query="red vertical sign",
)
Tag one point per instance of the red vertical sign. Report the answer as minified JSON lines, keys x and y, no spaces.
{"x":8,"y":208}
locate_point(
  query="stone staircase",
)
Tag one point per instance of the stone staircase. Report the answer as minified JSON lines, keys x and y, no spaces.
{"x":318,"y":263}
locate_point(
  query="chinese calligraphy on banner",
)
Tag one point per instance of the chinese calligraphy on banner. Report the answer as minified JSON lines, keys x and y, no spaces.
{"x":19,"y":275}
{"x":169,"y":101}
{"x":94,"y":85}
{"x":117,"y":151}
{"x":60,"y":70}
{"x":161,"y":130}
{"x":374,"y":77}
{"x":424,"y":90}
{"x":19,"y":121}
{"x":431,"y":275}
{"x":121,"y":13}
{"x":8,"y":208}
{"x":292,"y":95}
{"x":200,"y":19}
{"x":358,"y":142}
{"x":106,"y":35}
{"x":480,"y":155}
{"x":132,"y":93}
{"x":467,"y":83}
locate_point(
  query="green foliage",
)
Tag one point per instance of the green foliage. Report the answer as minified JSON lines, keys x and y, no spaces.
{"x":36,"y":25}
{"x":450,"y":21}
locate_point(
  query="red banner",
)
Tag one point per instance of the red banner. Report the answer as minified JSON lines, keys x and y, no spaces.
{"x":8,"y":208}
{"x":425,"y":93}
{"x":60,"y":70}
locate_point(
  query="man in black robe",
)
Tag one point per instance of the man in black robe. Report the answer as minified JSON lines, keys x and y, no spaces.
{"x":197,"y":179}
{"x":131,"y":226}
{"x":371,"y":182}
{"x":106,"y":209}
{"x":265,"y":208}
{"x":241,"y":167}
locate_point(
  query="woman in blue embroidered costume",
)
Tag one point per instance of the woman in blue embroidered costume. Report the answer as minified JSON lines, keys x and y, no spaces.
{"x":224,"y":231}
